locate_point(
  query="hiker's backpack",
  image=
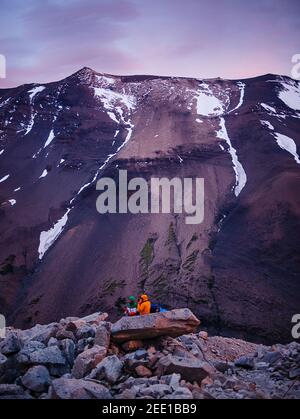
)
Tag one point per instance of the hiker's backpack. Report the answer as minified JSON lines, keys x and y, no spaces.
{"x":155,"y":308}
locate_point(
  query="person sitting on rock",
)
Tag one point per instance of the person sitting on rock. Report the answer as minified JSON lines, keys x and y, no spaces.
{"x":144,"y":305}
{"x":131,"y":307}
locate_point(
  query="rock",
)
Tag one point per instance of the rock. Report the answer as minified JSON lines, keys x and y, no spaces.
{"x":171,"y":323}
{"x":245,"y":362}
{"x":156,"y":390}
{"x":203,"y":335}
{"x":109,"y":368}
{"x":3,"y":361}
{"x":294,"y":373}
{"x":12,"y":391}
{"x":221,"y":366}
{"x":67,"y":346}
{"x":127,"y":394}
{"x":271,"y":357}
{"x":37,"y":379}
{"x":65,"y":334}
{"x":172,"y":380}
{"x":41,"y":333}
{"x":189,"y":369}
{"x":11,"y":344}
{"x":95,"y":318}
{"x":33,"y":354}
{"x":74,"y":325}
{"x":143,"y":371}
{"x":102,"y":335}
{"x":141,"y":354}
{"x":181,"y":393}
{"x":85,"y":331}
{"x":66,"y":388}
{"x":87,"y":361}
{"x":52,"y":342}
{"x":81,"y":344}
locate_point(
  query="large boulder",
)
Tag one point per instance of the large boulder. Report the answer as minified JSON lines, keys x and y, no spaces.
{"x":189,"y":369}
{"x":109,"y":368}
{"x":11,"y":344}
{"x":69,"y":388}
{"x":41,"y":333}
{"x":170,"y":323}
{"x":88,"y":360}
{"x":37,"y":379}
{"x":34,"y":352}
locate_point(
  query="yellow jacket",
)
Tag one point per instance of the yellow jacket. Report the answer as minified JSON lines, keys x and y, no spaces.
{"x":144,"y":305}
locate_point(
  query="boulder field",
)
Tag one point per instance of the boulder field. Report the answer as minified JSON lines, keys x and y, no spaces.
{"x":158,"y":356}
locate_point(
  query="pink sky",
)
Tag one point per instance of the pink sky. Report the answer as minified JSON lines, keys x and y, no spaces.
{"x":45,"y":40}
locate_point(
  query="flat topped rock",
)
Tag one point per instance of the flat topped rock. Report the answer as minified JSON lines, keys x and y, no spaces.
{"x":170,"y":323}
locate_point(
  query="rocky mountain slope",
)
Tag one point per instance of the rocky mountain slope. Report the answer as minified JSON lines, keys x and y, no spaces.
{"x":90,"y":358}
{"x":59,"y":257}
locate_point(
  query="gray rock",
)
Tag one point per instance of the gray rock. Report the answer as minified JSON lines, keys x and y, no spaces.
{"x":102,"y":335}
{"x":11,"y":344}
{"x":41,"y":333}
{"x":87,"y":360}
{"x":85,"y":331}
{"x":245,"y":362}
{"x":65,"y":388}
{"x":109,"y":369}
{"x":189,"y":369}
{"x":172,"y":380}
{"x":52,"y":342}
{"x":294,"y":373}
{"x":141,"y":354}
{"x":181,"y":393}
{"x":32,"y":354}
{"x":12,"y":391}
{"x":156,"y":390}
{"x":271,"y":357}
{"x":68,"y":348}
{"x":37,"y":379}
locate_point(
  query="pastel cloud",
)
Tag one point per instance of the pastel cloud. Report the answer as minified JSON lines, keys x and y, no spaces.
{"x":45,"y":40}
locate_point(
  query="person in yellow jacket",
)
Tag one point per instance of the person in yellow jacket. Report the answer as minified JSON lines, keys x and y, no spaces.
{"x":144,"y":305}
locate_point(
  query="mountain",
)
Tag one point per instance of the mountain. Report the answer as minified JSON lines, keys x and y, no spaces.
{"x":238,"y":270}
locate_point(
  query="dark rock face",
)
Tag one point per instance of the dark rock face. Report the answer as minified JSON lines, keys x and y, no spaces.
{"x":236,"y":271}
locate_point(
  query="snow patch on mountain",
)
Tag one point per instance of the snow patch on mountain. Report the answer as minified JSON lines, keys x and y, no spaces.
{"x":268,"y":108}
{"x":5,"y":102}
{"x":290,"y":95}
{"x":288,"y":144}
{"x":33,"y":92}
{"x":240,"y":174}
{"x":284,"y":142}
{"x":17,"y":189}
{"x":1,"y":151}
{"x":44,"y":174}
{"x":30,"y":124}
{"x":47,"y":238}
{"x":207,"y":103}
{"x":112,"y":101}
{"x":4,"y":178}
{"x":49,"y":139}
{"x":12,"y":202}
{"x":241,"y":87}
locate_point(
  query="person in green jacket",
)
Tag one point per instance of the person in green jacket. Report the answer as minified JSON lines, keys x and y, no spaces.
{"x":131,"y":307}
